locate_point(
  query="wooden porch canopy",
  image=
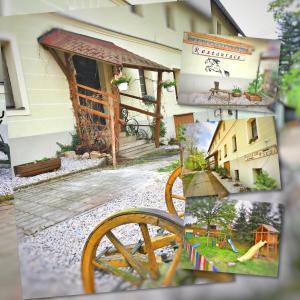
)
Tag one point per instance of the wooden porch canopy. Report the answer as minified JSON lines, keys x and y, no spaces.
{"x":71,"y":43}
{"x":97,"y":49}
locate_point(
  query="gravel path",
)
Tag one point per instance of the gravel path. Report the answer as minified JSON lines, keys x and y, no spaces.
{"x":5,"y":182}
{"x":68,"y":165}
{"x":50,"y":260}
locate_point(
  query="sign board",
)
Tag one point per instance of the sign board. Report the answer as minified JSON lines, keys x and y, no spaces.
{"x":217,"y":53}
{"x":262,"y":153}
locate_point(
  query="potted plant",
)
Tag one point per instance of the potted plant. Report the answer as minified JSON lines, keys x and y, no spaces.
{"x":236,"y":92}
{"x":169,"y":85}
{"x":37,"y":167}
{"x":255,"y":91}
{"x":122,"y":83}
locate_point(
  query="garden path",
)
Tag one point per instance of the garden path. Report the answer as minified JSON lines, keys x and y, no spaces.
{"x":205,"y":184}
{"x":46,"y":204}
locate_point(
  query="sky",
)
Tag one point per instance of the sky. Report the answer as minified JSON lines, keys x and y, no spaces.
{"x":253,"y":18}
{"x":202,"y":133}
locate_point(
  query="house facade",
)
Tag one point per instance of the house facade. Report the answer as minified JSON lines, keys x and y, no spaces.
{"x":39,"y":109}
{"x":245,"y":148}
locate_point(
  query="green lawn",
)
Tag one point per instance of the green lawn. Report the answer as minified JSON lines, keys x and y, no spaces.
{"x":221,"y":257}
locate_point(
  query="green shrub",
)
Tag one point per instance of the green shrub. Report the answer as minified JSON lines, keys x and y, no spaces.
{"x":265,"y":182}
{"x":122,"y":79}
{"x":255,"y":87}
{"x":237,"y":90}
{"x":168,"y":83}
{"x":72,"y":147}
{"x":163,"y":128}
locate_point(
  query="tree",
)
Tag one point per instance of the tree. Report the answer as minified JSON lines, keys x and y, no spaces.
{"x":260,"y":213}
{"x":277,"y":217}
{"x":212,"y":211}
{"x":287,"y":15}
{"x":196,"y":159}
{"x":241,"y":225}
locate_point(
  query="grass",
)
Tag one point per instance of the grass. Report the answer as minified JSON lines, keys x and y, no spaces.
{"x":221,"y":258}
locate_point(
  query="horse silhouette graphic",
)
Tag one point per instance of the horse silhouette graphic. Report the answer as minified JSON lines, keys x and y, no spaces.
{"x":213,"y":65}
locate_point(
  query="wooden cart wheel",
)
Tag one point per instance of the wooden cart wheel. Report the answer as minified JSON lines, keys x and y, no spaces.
{"x":135,"y":263}
{"x":169,"y":196}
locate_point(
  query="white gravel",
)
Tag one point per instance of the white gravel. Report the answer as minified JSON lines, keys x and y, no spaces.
{"x":5,"y":182}
{"x":50,"y":260}
{"x":68,"y":165}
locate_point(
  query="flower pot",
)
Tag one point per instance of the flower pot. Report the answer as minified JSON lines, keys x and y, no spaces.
{"x":236,"y":94}
{"x":217,"y":85}
{"x":253,"y":97}
{"x":171,"y":89}
{"x":39,"y":167}
{"x":123,"y":86}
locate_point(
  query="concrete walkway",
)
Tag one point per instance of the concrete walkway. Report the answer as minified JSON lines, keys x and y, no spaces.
{"x":49,"y":203}
{"x":204,"y":184}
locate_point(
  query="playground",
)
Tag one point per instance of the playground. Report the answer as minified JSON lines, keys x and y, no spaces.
{"x":231,"y":236}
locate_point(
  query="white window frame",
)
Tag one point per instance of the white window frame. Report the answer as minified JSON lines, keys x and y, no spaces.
{"x":16,"y":75}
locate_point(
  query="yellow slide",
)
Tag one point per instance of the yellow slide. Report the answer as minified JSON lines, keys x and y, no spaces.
{"x":251,"y":252}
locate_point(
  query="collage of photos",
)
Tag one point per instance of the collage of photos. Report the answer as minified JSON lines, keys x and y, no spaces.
{"x":139,"y":154}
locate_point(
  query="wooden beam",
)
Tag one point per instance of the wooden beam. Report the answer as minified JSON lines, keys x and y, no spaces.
{"x":94,"y":112}
{"x":59,"y":62}
{"x":96,"y":91}
{"x":158,"y":108}
{"x":113,"y":133}
{"x":72,"y":86}
{"x":142,"y":111}
{"x":136,"y":97}
{"x":103,"y":102}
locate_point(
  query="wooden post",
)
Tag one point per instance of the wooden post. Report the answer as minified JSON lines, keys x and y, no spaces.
{"x":73,"y":92}
{"x":158,"y":108}
{"x":112,"y":128}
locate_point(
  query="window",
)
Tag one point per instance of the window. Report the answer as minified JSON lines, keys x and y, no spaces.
{"x":234,"y":145}
{"x":5,"y":79}
{"x":254,"y":128}
{"x":169,"y":18}
{"x":220,"y":154}
{"x":193,"y":25}
{"x":136,"y":9}
{"x":219,"y":28}
{"x":256,"y":172}
{"x":225,"y":150}
{"x":236,"y":175}
{"x":142,"y":82}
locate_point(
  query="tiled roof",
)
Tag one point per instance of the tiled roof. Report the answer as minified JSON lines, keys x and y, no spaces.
{"x":97,"y":49}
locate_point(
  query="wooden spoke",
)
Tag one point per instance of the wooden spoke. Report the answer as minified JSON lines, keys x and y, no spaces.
{"x":133,"y":263}
{"x":135,"y":280}
{"x":172,"y":269}
{"x":153,"y":266}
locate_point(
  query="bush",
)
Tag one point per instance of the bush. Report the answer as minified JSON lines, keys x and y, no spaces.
{"x":221,"y":171}
{"x":265,"y":182}
{"x":75,"y":142}
{"x":163,"y":129}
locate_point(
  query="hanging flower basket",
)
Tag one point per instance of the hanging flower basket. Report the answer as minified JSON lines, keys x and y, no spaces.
{"x":171,"y":89}
{"x":169,"y":85}
{"x":123,"y":86}
{"x":121,"y":83}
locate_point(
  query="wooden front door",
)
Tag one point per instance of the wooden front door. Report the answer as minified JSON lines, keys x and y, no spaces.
{"x":227,"y":167}
{"x":183,"y":119}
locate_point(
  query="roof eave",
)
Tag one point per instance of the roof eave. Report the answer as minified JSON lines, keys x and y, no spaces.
{"x":229,"y":17}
